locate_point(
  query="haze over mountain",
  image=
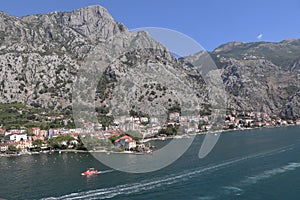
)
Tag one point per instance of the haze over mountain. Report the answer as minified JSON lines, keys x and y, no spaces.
{"x":41,"y":54}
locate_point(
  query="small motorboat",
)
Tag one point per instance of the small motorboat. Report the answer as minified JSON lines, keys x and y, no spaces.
{"x":90,"y":171}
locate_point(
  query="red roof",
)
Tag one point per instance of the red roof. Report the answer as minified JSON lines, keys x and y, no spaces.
{"x":4,"y":144}
{"x":126,"y":138}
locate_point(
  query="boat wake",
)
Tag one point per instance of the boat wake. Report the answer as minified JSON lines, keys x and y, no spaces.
{"x":105,"y":193}
{"x":239,"y":188}
{"x":106,"y":171}
{"x":233,"y":190}
{"x":270,"y":173}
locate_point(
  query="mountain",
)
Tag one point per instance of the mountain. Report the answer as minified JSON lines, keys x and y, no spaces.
{"x":41,"y":55}
{"x":284,"y":54}
{"x":261,"y":76}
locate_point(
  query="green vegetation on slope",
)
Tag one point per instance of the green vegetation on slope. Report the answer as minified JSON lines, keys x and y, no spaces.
{"x":17,"y":115}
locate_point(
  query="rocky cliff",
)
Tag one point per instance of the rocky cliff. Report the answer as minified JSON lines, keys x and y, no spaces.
{"x":262,"y":76}
{"x":40,"y":56}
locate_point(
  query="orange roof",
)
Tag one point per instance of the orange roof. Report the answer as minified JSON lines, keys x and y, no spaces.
{"x":126,"y":138}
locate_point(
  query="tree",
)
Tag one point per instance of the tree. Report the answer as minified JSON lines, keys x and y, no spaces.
{"x":175,"y":108}
{"x":114,"y":138}
{"x":37,"y":143}
{"x":57,"y":143}
{"x":2,"y":138}
{"x":170,"y":130}
{"x":106,"y":120}
{"x":133,"y":113}
{"x":12,"y":148}
{"x":201,"y":123}
{"x":137,"y":136}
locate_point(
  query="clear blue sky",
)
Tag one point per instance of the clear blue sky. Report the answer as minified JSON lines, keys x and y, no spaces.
{"x":210,"y":22}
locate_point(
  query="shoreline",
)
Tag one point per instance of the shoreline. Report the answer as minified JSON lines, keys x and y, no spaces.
{"x":143,"y":141}
{"x":188,"y":135}
{"x":70,"y":151}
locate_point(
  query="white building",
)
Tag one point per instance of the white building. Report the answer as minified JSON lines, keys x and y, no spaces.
{"x":154,"y":120}
{"x":174,"y":116}
{"x":126,"y":141}
{"x":144,"y":119}
{"x":18,"y":137}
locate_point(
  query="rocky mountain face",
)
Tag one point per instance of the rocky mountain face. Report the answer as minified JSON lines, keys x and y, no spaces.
{"x":262,"y":76}
{"x":40,"y":56}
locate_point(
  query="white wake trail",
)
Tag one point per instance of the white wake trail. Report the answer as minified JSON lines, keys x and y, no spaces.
{"x":111,"y":192}
{"x":270,"y":173}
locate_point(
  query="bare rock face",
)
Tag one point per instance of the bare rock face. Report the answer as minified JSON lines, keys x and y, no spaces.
{"x":40,"y":56}
{"x":262,"y":76}
{"x":93,"y":22}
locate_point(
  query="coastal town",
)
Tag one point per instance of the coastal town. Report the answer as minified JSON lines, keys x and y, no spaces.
{"x":126,"y":133}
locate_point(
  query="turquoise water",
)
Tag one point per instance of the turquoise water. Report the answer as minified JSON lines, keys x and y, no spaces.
{"x":255,"y":164}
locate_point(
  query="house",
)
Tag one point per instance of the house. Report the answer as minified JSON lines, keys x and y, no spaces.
{"x":248,"y":121}
{"x":120,"y":120}
{"x":23,"y":145}
{"x":55,"y":135}
{"x":153,"y":130}
{"x":192,"y":129}
{"x":10,"y":132}
{"x":75,"y":136}
{"x":17,"y":137}
{"x":206,"y":127}
{"x":136,"y":119}
{"x":4,"y":147}
{"x":35,"y":131}
{"x":129,"y":119}
{"x":52,"y":118}
{"x":43,"y":133}
{"x":194,"y":118}
{"x":183,"y":119}
{"x":259,"y":124}
{"x":53,"y":131}
{"x":154,"y":120}
{"x":38,"y":138}
{"x":174,"y":116}
{"x":126,"y":141}
{"x":144,"y":119}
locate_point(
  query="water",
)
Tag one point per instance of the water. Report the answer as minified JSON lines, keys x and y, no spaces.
{"x":256,"y":164}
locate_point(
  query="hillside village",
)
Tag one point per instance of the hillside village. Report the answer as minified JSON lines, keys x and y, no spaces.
{"x":126,"y":133}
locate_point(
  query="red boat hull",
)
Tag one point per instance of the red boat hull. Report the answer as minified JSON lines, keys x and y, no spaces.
{"x":90,"y":173}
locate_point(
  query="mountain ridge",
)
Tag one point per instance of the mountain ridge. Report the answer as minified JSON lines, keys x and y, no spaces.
{"x":41,"y":54}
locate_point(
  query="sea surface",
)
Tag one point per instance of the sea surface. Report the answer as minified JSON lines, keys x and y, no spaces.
{"x":253,"y":164}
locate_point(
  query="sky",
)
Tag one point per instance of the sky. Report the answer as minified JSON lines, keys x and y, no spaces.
{"x":209,"y":22}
